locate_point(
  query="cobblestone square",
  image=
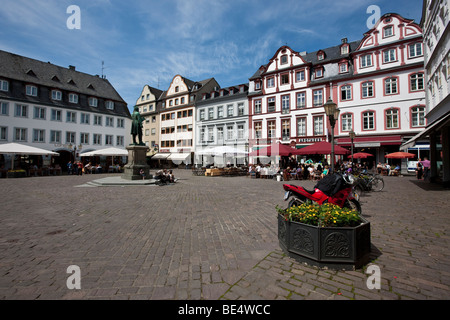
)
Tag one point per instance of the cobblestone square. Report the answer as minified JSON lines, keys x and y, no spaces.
{"x":212,"y":238}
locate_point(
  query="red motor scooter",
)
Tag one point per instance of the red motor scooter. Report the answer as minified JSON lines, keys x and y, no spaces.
{"x":336,"y":188}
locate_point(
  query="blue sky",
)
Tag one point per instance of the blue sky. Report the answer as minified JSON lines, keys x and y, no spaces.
{"x":149,"y":42}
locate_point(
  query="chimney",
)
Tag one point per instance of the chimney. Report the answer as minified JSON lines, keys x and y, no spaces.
{"x":344,"y":40}
{"x":72,"y":68}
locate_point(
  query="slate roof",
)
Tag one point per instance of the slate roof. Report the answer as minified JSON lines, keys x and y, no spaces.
{"x":48,"y":76}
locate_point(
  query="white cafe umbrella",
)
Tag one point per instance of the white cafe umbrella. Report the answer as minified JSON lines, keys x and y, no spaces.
{"x":106,"y":152}
{"x":17,"y":148}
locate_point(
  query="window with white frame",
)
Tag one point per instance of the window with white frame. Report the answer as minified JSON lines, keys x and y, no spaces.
{"x":366,"y":61}
{"x":97,"y":139}
{"x":4,"y":85}
{"x":285,"y":104}
{"x":20,"y":134}
{"x":3,"y":133}
{"x":39,"y":113}
{"x":55,"y":136}
{"x":120,"y":141}
{"x":109,"y":140}
{"x":241,"y":109}
{"x":346,"y":122}
{"x":258,"y":108}
{"x":367,"y":89}
{"x":4,"y":108}
{"x":56,"y":95}
{"x":318,"y":125}
{"x":84,"y":118}
{"x":240,"y":131}
{"x":201,"y":115}
{"x":416,"y":82}
{"x":56,"y":115}
{"x":21,"y":111}
{"x":220,"y":112}
{"x":97,"y":120}
{"x":346,"y":92}
{"x":109,"y":121}
{"x":285,"y":129}
{"x":84,"y":138}
{"x":388,"y":31}
{"x":230,"y":132}
{"x":301,"y":127}
{"x":219,"y":133}
{"x":70,"y":137}
{"x":343,"y":67}
{"x":120,"y":123}
{"x":258,"y":130}
{"x":415,"y":50}
{"x":73,"y":98}
{"x":31,"y":90}
{"x":93,"y":102}
{"x":392,"y":118}
{"x":109,"y":105}
{"x":271,"y":105}
{"x":300,"y":76}
{"x":271,"y":129}
{"x":390,"y":86}
{"x":284,"y":59}
{"x":210,"y":113}
{"x":202,"y":134}
{"x":301,"y":100}
{"x":71,"y":117}
{"x":211,"y":134}
{"x":319,"y":72}
{"x":389,"y":55}
{"x":318,"y":98}
{"x":271,"y":82}
{"x":39,"y":135}
{"x":368,"y":120}
{"x":230,"y":110}
{"x":418,"y":116}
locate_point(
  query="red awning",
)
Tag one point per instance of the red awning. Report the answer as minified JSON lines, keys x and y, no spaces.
{"x":382,"y":140}
{"x":323,"y":147}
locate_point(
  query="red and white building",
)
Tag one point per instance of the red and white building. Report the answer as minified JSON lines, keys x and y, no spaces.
{"x":377,"y":83}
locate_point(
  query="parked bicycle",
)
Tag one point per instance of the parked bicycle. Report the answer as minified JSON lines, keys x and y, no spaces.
{"x":368,"y":182}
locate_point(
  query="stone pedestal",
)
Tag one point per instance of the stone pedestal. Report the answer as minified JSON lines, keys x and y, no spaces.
{"x":136,"y":162}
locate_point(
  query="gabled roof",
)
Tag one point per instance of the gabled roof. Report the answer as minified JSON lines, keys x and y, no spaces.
{"x":46,"y":74}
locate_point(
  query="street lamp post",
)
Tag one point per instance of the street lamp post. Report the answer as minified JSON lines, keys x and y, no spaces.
{"x":352,"y":135}
{"x":332,"y":112}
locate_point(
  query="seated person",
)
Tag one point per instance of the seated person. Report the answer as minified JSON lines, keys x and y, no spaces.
{"x":162,"y":176}
{"x":395,"y":171}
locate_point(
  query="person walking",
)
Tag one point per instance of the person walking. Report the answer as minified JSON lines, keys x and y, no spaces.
{"x":419,"y":170}
{"x":426,"y":168}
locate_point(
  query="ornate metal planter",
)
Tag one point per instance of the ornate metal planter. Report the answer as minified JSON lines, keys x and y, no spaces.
{"x":328,"y":247}
{"x":16,"y":174}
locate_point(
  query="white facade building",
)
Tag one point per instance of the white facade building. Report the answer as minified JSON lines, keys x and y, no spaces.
{"x":222,"y":120}
{"x":59,"y":109}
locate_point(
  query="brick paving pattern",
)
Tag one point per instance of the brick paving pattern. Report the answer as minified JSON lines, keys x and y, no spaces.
{"x":212,"y":238}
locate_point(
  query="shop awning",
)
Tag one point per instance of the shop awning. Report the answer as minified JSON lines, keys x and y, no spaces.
{"x":178,"y":156}
{"x":435,"y":126}
{"x":370,"y":141}
{"x":161,"y":156}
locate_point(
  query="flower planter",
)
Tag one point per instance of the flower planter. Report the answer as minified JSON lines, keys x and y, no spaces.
{"x":16,"y":174}
{"x":337,"y":248}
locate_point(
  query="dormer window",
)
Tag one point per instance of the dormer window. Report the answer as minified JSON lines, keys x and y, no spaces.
{"x":345,"y":49}
{"x":343,"y":67}
{"x":93,"y":102}
{"x":73,"y":98}
{"x":4,"y":85}
{"x":257,"y":85}
{"x":320,"y":55}
{"x":56,"y":95}
{"x":319,"y":72}
{"x":31,"y":90}
{"x":109,"y":105}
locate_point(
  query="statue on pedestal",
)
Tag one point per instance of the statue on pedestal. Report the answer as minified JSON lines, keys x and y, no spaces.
{"x":136,"y":127}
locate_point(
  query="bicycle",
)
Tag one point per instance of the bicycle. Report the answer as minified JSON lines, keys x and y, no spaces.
{"x":368,"y":182}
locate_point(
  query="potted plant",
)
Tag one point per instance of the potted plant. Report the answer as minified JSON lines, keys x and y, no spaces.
{"x":16,"y":173}
{"x":324,"y":235}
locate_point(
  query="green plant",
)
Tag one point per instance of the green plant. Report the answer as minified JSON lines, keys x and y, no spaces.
{"x":326,"y":215}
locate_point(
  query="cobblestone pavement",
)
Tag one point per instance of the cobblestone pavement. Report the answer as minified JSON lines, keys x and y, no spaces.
{"x":212,"y":238}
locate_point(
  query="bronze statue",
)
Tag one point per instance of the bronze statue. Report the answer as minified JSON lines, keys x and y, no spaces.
{"x":136,"y":126}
